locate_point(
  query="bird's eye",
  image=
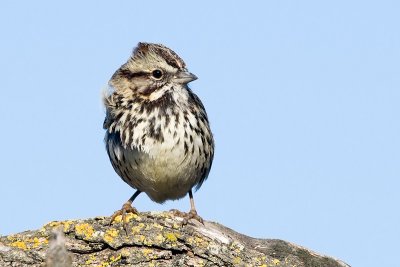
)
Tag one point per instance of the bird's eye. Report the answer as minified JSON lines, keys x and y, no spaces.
{"x":157,"y":74}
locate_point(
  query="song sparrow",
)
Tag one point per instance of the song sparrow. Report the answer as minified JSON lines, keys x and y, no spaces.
{"x":158,"y":136}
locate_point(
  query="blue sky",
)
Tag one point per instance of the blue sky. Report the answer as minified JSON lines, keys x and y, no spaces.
{"x":303,"y":99}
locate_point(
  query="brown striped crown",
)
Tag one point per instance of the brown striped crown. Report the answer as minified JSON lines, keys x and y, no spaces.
{"x":167,"y":54}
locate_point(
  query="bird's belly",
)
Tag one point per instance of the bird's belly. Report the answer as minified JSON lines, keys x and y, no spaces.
{"x":162,"y":173}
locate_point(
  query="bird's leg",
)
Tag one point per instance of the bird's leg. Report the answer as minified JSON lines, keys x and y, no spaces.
{"x":126,"y":208}
{"x":192,"y":214}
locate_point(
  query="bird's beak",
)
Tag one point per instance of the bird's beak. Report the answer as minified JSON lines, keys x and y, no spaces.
{"x":184,"y":77}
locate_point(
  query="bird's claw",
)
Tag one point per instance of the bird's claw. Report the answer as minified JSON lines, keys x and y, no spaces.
{"x":192,"y":214}
{"x":126,"y":208}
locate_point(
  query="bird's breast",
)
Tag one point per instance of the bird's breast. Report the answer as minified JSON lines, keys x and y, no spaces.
{"x":163,"y":157}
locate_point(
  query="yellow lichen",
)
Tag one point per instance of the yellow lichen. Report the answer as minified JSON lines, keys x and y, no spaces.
{"x":129,"y":216}
{"x":84,"y":229}
{"x":197,"y":241}
{"x":261,"y":261}
{"x":27,"y":242}
{"x":140,"y":238}
{"x":170,"y":236}
{"x":276,"y":261}
{"x":237,"y":260}
{"x":146,"y":252}
{"x":157,"y":225}
{"x":53,"y":224}
{"x":200,"y":242}
{"x":115,"y":259}
{"x":19,"y":244}
{"x":36,"y":242}
{"x":136,"y":229}
{"x":159,"y":238}
{"x":67,"y":225}
{"x":110,"y":261}
{"x":110,"y":235}
{"x":91,"y":259}
{"x":118,"y":219}
{"x":125,"y":252}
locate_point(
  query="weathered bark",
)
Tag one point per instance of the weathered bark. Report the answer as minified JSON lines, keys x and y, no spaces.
{"x":153,"y":239}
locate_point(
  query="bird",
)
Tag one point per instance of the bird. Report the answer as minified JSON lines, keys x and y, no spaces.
{"x":158,"y":136}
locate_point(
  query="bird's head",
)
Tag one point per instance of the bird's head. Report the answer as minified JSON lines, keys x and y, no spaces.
{"x":151,"y":70}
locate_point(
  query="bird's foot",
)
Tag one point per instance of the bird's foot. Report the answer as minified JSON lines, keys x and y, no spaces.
{"x":126,"y":208}
{"x":192,"y":214}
